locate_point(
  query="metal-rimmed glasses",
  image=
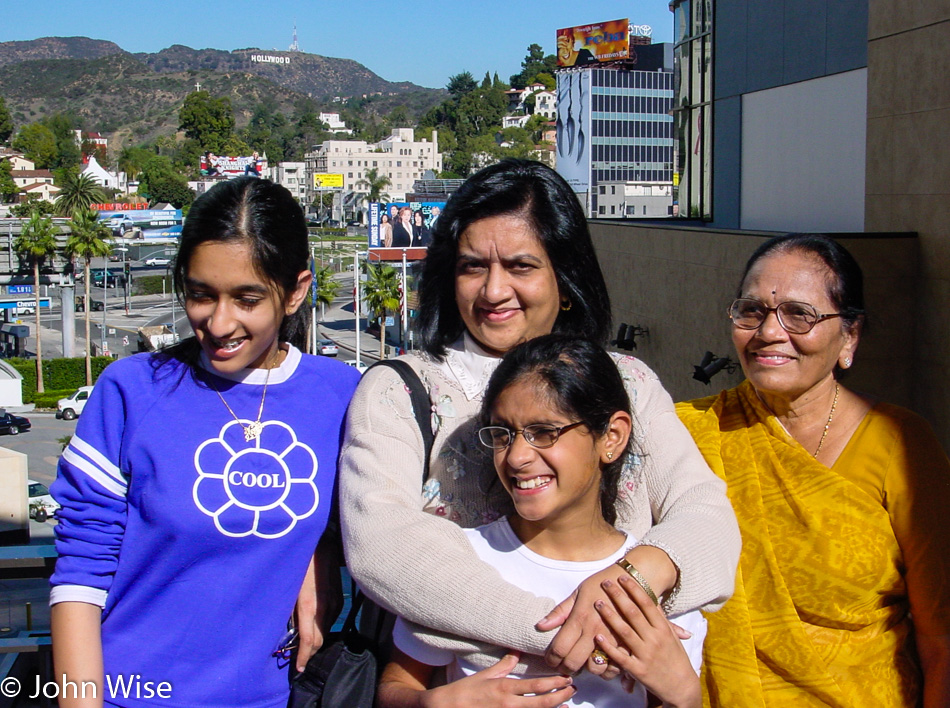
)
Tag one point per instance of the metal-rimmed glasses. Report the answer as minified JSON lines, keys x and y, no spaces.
{"x":539,"y":435}
{"x":793,"y":317}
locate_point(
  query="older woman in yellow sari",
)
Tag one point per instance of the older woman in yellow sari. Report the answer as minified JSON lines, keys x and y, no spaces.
{"x":843,"y":589}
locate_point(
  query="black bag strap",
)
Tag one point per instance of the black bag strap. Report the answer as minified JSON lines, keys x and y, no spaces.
{"x":421,"y":406}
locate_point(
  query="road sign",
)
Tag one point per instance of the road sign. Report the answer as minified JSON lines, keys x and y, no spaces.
{"x":20,"y":289}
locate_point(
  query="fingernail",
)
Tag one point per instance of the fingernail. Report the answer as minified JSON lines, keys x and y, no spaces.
{"x":599,"y":604}
{"x":600,"y":637}
{"x":606,"y":584}
{"x":688,"y":633}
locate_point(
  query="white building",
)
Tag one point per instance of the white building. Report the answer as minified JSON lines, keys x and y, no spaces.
{"x":634,"y":200}
{"x":400,"y":157}
{"x":334,"y":123}
{"x":293,"y":176}
{"x":102,"y":176}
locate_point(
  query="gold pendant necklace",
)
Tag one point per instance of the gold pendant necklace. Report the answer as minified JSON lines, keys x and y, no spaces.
{"x":252,"y":431}
{"x":831,"y":416}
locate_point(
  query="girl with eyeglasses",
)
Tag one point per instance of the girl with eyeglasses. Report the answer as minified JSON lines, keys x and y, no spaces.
{"x":201,"y":479}
{"x":556,"y":419}
{"x":843,"y":590}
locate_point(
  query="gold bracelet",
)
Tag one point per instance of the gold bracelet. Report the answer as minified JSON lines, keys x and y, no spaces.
{"x":638,"y":576}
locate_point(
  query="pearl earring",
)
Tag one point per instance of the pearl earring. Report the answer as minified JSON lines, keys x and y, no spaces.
{"x":610,"y":456}
{"x":847,"y":362}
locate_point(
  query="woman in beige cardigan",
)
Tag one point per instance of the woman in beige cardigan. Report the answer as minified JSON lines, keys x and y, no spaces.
{"x":511,"y":259}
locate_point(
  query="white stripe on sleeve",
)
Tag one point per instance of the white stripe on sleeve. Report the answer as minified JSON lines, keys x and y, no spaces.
{"x":104,"y":480}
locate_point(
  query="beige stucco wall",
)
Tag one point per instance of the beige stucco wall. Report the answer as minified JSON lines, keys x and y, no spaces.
{"x":678,"y":282}
{"x":908,"y":173}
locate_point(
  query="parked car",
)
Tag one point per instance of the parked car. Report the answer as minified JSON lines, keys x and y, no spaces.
{"x":111,"y":279}
{"x":97,"y":305}
{"x":13,"y":424}
{"x":42,"y":505}
{"x":71,"y":406}
{"x":358,"y":365}
{"x":157,"y":261}
{"x":327,"y":347}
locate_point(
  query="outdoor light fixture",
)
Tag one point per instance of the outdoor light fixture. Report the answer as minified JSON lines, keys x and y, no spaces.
{"x":627,"y":334}
{"x":712,"y":365}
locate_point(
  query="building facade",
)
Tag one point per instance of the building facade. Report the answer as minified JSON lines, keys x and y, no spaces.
{"x":615,"y":125}
{"x":400,"y":157}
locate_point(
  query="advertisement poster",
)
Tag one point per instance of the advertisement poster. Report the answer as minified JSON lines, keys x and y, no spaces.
{"x":328,"y":180}
{"x":573,"y":128}
{"x":212,"y":165}
{"x":402,"y":224}
{"x":591,"y":44}
{"x":143,"y":223}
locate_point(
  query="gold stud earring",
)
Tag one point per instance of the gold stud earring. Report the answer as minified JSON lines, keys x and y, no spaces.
{"x":610,"y":456}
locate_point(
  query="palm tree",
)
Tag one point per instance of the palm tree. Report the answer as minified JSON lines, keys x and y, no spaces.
{"x":88,"y":241}
{"x":326,"y":288}
{"x":36,"y":243}
{"x":79,"y":192}
{"x":374,"y":183}
{"x":382,"y":292}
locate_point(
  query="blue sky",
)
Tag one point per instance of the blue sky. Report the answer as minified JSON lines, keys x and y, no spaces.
{"x":423,"y":41}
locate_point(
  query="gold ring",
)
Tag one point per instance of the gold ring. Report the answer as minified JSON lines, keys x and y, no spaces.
{"x":598,"y":657}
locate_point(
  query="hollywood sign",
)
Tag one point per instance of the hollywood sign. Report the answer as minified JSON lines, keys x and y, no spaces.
{"x":266,"y":59}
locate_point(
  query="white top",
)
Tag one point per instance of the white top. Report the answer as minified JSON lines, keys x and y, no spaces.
{"x":497,"y":544}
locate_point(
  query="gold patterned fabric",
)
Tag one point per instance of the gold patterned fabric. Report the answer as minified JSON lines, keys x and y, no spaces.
{"x":820,"y":615}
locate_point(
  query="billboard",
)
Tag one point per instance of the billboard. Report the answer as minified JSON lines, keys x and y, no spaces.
{"x":402,"y":224}
{"x":211,"y":165}
{"x":143,"y":223}
{"x":573,"y":128}
{"x":590,"y":44}
{"x":328,"y":181}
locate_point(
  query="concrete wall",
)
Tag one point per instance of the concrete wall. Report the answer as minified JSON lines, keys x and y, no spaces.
{"x":14,"y":513}
{"x":908,"y":172}
{"x":678,"y":282}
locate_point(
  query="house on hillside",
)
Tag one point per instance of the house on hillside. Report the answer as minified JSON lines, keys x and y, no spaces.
{"x":102,"y":176}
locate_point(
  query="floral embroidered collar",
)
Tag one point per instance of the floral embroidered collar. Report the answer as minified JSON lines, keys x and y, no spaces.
{"x":470,"y":365}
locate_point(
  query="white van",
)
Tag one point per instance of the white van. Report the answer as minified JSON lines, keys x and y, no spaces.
{"x":70,"y":407}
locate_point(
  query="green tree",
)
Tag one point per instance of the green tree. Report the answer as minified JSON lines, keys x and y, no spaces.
{"x":88,"y":240}
{"x":35,"y":244}
{"x":382,"y":293}
{"x":534,"y":63}
{"x":8,"y":188}
{"x":461,"y":84}
{"x":38,"y":144}
{"x":206,"y":119}
{"x":374,"y":183}
{"x":68,"y":152}
{"x":132,"y":159}
{"x":6,"y":122}
{"x":325,"y":289}
{"x":79,"y":193}
{"x":160,"y":182}
{"x":32,"y":205}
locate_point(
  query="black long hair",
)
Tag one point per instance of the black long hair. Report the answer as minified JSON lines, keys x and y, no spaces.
{"x":539,"y":195}
{"x":581,"y":381}
{"x":263,"y":215}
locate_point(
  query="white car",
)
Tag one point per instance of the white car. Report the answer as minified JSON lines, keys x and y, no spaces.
{"x":358,"y":365}
{"x":71,"y":406}
{"x":42,"y":505}
{"x":327,"y":347}
{"x":157,"y":261}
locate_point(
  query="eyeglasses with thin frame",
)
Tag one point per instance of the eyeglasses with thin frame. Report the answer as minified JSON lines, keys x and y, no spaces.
{"x":539,"y":435}
{"x":793,"y":317}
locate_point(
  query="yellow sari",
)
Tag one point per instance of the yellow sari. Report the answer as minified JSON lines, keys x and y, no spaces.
{"x":820,"y":615}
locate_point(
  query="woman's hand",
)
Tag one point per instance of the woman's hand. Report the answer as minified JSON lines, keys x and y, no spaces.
{"x":319,"y":601}
{"x":656,"y":656}
{"x":492,"y":687}
{"x":570,"y":650}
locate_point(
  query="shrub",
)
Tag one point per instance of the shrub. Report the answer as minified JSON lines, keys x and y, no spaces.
{"x":152,"y":284}
{"x":60,"y":377}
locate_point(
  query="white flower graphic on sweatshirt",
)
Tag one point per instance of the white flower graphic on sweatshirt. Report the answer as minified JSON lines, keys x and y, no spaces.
{"x":261,"y":487}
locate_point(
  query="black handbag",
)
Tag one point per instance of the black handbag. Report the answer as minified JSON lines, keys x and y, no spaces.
{"x":342,"y":674}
